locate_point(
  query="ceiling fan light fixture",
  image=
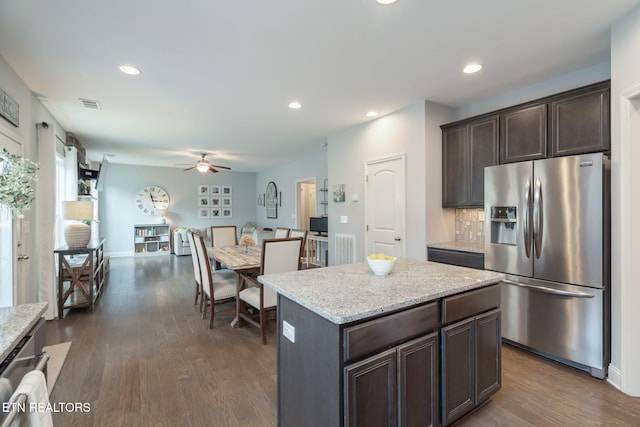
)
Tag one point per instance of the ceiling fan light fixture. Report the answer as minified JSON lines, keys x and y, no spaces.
{"x":202,"y":167}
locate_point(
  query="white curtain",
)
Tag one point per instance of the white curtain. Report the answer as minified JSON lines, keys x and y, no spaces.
{"x":46,"y":218}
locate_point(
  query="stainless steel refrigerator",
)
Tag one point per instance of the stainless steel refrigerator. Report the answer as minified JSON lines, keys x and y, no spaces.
{"x":547,"y":227}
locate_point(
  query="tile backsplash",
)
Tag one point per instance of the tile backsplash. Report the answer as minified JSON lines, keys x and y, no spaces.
{"x":470,"y":225}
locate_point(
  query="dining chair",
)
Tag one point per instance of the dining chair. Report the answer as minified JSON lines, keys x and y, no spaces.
{"x":216,"y":287}
{"x":196,"y":268}
{"x":296,"y":232}
{"x":223,"y":235}
{"x":281,"y":233}
{"x":278,"y":256}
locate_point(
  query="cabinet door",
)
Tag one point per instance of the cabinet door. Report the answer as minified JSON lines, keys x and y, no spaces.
{"x":418,"y":382}
{"x":483,"y":151}
{"x":458,"y":369}
{"x":488,"y":354}
{"x":523,"y":134}
{"x":580,"y":123}
{"x":454,"y":167}
{"x":370,"y":391}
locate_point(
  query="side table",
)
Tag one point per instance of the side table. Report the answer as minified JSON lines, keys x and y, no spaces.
{"x":81,"y":275}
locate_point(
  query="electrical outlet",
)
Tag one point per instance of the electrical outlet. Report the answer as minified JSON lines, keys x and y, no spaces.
{"x":288,"y":331}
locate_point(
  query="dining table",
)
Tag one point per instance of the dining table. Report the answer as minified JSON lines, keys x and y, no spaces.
{"x":244,"y":260}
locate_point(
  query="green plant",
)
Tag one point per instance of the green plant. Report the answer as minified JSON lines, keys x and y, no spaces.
{"x":17,"y":177}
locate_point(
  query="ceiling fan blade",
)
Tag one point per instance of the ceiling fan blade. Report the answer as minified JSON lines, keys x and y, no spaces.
{"x":212,"y":169}
{"x":222,"y":167}
{"x":188,"y":169}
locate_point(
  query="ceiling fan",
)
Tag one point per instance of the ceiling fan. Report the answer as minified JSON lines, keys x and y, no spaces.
{"x":203,"y":165}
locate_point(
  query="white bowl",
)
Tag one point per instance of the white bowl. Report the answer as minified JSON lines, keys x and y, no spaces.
{"x":381,"y":267}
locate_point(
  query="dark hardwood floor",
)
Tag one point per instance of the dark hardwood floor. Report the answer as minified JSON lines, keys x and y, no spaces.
{"x":146,"y":358}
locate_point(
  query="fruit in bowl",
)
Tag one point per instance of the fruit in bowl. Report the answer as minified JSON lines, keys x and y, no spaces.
{"x":380,"y":263}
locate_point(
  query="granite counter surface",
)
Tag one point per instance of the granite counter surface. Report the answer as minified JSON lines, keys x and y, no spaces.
{"x":351,"y":292}
{"x":459,"y":246}
{"x":15,"y":322}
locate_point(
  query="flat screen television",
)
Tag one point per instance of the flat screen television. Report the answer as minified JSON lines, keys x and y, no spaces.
{"x":319,"y":225}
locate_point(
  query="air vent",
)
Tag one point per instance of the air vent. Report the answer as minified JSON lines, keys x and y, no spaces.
{"x":89,"y":103}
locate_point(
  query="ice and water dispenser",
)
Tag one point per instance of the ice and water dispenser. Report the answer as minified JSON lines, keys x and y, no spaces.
{"x":504,"y":226}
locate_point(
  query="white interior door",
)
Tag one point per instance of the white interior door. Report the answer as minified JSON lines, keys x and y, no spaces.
{"x":9,"y":238}
{"x":385,"y":206}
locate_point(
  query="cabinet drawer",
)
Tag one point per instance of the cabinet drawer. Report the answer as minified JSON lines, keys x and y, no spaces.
{"x":373,"y":336}
{"x":470,"y":303}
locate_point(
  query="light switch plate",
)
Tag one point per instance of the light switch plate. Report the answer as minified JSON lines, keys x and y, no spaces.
{"x":344,"y":219}
{"x":289,"y":331}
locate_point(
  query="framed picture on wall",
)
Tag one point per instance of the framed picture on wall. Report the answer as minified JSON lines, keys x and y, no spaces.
{"x":215,"y":213}
{"x":203,"y":202}
{"x":226,"y":213}
{"x":215,"y":190}
{"x":226,"y":202}
{"x":204,"y":213}
{"x":203,"y":190}
{"x":226,"y":190}
{"x":215,"y":202}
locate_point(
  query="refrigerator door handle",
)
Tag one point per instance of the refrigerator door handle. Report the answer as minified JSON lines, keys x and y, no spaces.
{"x":550,"y":290}
{"x":537,"y":218}
{"x":526,"y":219}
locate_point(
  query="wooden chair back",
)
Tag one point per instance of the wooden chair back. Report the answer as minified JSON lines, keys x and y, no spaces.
{"x":223,"y":235}
{"x":281,"y":233}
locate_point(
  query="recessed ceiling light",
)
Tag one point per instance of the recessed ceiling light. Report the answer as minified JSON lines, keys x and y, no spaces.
{"x":372,"y":114}
{"x":472,"y":68}
{"x":130,"y":69}
{"x":295,"y":105}
{"x":386,"y":1}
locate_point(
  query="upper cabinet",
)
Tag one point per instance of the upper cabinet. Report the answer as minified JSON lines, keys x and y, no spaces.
{"x":571,"y":122}
{"x":467,"y":148}
{"x":580,"y":122}
{"x":523,"y":134}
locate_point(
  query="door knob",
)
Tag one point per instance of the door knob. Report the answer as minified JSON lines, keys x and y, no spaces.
{"x":397,"y":239}
{"x":22,"y":257}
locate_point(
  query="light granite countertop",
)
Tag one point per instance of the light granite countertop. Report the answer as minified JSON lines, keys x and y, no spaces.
{"x":459,"y":246}
{"x":15,"y":322}
{"x":351,"y":292}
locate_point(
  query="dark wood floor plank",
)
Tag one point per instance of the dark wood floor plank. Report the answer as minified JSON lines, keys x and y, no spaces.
{"x":145,"y":357}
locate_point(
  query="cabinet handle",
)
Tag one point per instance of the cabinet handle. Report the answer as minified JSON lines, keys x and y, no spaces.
{"x":397,"y":239}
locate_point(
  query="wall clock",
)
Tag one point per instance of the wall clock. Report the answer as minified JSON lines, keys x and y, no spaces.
{"x":151,"y":199}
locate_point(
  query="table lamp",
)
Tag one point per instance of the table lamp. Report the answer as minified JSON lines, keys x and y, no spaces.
{"x":163,"y":215}
{"x":77,"y":234}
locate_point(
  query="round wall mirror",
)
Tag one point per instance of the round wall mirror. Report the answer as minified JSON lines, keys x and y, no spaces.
{"x":271,"y":200}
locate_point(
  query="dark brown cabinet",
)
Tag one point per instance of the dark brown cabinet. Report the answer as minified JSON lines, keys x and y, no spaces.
{"x":398,"y":387}
{"x":470,"y":364}
{"x":523,"y":134}
{"x":459,"y":258}
{"x":572,"y":122}
{"x":467,"y":148}
{"x":580,"y":122}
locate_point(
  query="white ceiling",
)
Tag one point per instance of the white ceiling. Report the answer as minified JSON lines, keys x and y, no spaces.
{"x":217,"y":76}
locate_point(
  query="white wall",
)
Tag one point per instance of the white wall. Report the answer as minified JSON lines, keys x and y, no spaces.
{"x":625,"y":316}
{"x":31,"y":112}
{"x":122,"y":183}
{"x":440,"y":223}
{"x":285,"y":177}
{"x":403,"y":131}
{"x":575,"y":79}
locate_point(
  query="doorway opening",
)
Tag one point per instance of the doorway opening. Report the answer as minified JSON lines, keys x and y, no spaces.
{"x":306,"y":203}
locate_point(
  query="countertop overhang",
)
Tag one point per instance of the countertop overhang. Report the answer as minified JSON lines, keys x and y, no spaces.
{"x":15,"y":322}
{"x":351,"y":292}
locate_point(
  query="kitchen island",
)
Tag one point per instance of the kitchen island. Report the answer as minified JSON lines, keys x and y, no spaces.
{"x":420,"y":346}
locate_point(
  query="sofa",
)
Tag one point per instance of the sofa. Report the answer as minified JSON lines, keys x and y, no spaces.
{"x":181,"y":241}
